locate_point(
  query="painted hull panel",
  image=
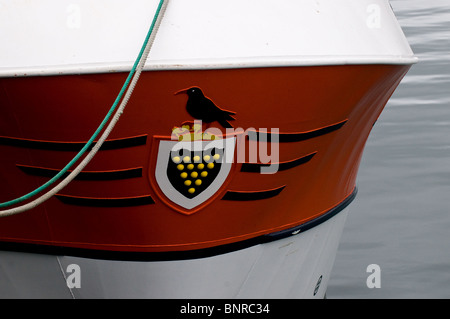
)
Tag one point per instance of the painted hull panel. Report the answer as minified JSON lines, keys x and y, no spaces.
{"x":286,"y":268}
{"x":105,"y":35}
{"x":290,"y":103}
{"x":324,"y":113}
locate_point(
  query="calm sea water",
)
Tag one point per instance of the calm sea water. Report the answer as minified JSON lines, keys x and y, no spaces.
{"x":401,"y":217}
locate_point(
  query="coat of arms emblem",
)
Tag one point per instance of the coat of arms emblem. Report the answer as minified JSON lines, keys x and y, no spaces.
{"x":193,"y":164}
{"x":192,"y":169}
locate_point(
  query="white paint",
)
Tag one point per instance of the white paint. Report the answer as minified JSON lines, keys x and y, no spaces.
{"x":374,"y":16}
{"x":286,"y":268}
{"x":73,"y":16}
{"x":51,"y":37}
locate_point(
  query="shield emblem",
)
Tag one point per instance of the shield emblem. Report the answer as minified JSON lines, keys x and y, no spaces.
{"x":189,"y":173}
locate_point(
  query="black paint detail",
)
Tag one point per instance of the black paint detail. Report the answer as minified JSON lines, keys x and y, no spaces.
{"x":178,"y":181}
{"x":175,"y":255}
{"x":202,"y":108}
{"x":72,"y":146}
{"x":248,"y":195}
{"x":316,"y":289}
{"x":106,"y":202}
{"x":88,"y":175}
{"x":256,"y":167}
{"x":297,"y":137}
{"x":313,"y":223}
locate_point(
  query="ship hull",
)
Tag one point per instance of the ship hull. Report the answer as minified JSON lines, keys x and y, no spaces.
{"x":293,"y":267}
{"x":322,"y":117}
{"x":260,"y":216}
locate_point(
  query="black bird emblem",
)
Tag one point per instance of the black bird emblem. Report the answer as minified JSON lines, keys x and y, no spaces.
{"x":202,"y":108}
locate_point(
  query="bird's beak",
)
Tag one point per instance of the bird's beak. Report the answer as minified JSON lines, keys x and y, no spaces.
{"x":181,"y":91}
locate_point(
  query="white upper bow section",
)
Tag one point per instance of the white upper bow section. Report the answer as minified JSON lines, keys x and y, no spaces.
{"x":73,"y":36}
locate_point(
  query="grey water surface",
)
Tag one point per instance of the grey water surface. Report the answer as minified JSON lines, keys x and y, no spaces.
{"x":400,"y":219}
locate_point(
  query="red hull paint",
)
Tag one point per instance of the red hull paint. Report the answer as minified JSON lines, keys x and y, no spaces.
{"x":294,"y":99}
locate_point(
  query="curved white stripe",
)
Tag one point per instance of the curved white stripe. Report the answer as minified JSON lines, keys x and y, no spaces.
{"x":80,"y":36}
{"x":211,"y":64}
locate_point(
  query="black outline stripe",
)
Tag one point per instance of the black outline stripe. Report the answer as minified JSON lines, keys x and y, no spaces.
{"x":84,"y":175}
{"x":72,"y":146}
{"x":106,"y":202}
{"x":256,"y":167}
{"x":298,"y":136}
{"x":252,"y":195}
{"x":176,"y":255}
{"x":315,"y":222}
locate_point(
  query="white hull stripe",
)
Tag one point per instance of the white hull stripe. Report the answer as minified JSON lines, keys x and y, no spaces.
{"x":254,"y":62}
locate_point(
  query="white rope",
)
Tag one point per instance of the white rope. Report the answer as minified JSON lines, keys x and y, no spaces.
{"x":105,"y":134}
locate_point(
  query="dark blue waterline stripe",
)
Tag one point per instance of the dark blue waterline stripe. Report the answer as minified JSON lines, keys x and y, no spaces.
{"x":315,"y":222}
{"x":176,"y":255}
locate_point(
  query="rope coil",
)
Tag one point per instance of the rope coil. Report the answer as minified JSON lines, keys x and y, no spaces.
{"x":130,"y":82}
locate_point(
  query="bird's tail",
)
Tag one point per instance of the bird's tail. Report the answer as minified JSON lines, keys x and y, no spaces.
{"x":229,"y":115}
{"x":225,"y":123}
{"x":226,"y":116}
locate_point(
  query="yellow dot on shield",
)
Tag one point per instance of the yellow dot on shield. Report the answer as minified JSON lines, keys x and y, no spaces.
{"x":201,"y":166}
{"x":194,"y":174}
{"x":206,"y":158}
{"x":186,"y":159}
{"x":210,"y":165}
{"x":204,"y":174}
{"x":191,"y":190}
{"x":197,"y":159}
{"x":216,"y":157}
{"x":176,"y":159}
{"x":198,"y":182}
{"x":187,"y":182}
{"x":190,"y":166}
{"x":180,"y":167}
{"x":184,"y":175}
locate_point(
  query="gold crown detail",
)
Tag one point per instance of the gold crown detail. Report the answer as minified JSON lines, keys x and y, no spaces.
{"x":192,"y":133}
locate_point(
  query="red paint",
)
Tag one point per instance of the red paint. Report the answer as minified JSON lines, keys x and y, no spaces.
{"x":69,"y":108}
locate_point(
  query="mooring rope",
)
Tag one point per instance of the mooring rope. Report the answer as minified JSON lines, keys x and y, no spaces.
{"x":130,"y":82}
